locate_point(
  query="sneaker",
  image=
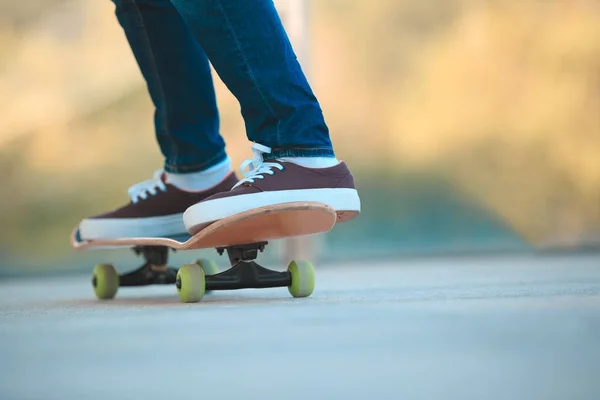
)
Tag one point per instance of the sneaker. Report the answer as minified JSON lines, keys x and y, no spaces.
{"x":155,"y":209}
{"x":270,"y":183}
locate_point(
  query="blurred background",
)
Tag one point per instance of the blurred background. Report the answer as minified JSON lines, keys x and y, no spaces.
{"x":472,"y":125}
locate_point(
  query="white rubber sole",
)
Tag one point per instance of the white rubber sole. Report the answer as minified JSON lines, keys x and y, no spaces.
{"x":214,"y":210}
{"x":169,"y":225}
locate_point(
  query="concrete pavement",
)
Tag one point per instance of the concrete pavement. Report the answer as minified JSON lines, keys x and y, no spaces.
{"x":520,"y":327}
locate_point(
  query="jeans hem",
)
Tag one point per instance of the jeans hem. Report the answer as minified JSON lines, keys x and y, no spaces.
{"x":182,"y":168}
{"x":300,"y":152}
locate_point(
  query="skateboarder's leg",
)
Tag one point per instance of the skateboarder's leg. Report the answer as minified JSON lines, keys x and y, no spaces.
{"x":249,"y":48}
{"x":179,"y":82}
{"x":178,"y":77}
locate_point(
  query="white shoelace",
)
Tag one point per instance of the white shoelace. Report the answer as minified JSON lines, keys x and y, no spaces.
{"x":149,"y":187}
{"x":259,"y":167}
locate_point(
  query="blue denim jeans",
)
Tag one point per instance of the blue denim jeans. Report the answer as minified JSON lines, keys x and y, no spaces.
{"x":173,"y":41}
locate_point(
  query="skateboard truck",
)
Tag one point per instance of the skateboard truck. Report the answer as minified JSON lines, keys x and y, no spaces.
{"x":245,"y":273}
{"x":154,"y":271}
{"x":244,"y":252}
{"x":191,"y":283}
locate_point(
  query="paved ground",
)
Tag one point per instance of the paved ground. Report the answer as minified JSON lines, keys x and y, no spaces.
{"x":476,"y":328}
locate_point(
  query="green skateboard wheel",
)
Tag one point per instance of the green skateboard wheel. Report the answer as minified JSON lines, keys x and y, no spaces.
{"x":190,"y":283}
{"x":105,"y":281}
{"x":303,"y":278}
{"x":209,"y":267}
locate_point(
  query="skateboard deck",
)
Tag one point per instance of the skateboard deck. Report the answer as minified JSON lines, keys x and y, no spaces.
{"x":258,"y":225}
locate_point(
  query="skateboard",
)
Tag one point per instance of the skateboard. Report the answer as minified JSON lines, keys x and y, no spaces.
{"x":242,"y":236}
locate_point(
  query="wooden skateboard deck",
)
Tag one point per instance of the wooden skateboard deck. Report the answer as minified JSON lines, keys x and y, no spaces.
{"x":258,"y":225}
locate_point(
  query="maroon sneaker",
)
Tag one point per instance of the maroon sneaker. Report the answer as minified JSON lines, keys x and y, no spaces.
{"x":270,"y":183}
{"x":155,"y":210}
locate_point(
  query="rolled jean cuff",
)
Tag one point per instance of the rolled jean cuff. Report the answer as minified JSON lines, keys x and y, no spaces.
{"x":299,"y":152}
{"x":181,"y":167}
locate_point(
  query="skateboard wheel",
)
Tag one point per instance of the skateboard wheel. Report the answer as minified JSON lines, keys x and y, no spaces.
{"x":190,"y":283}
{"x":209,"y":267}
{"x":303,"y":278}
{"x":105,"y":281}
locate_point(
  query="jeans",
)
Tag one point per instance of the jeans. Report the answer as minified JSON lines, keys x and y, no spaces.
{"x":173,"y":41}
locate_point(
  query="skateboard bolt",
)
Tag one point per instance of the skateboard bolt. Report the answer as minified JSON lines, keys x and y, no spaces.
{"x":94,"y":281}
{"x":178,"y":284}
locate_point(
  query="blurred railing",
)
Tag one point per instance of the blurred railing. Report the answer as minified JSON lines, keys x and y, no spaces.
{"x":295,"y":17}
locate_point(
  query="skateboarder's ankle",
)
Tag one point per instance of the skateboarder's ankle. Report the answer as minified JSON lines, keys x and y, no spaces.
{"x":312,"y":162}
{"x":200,"y":180}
